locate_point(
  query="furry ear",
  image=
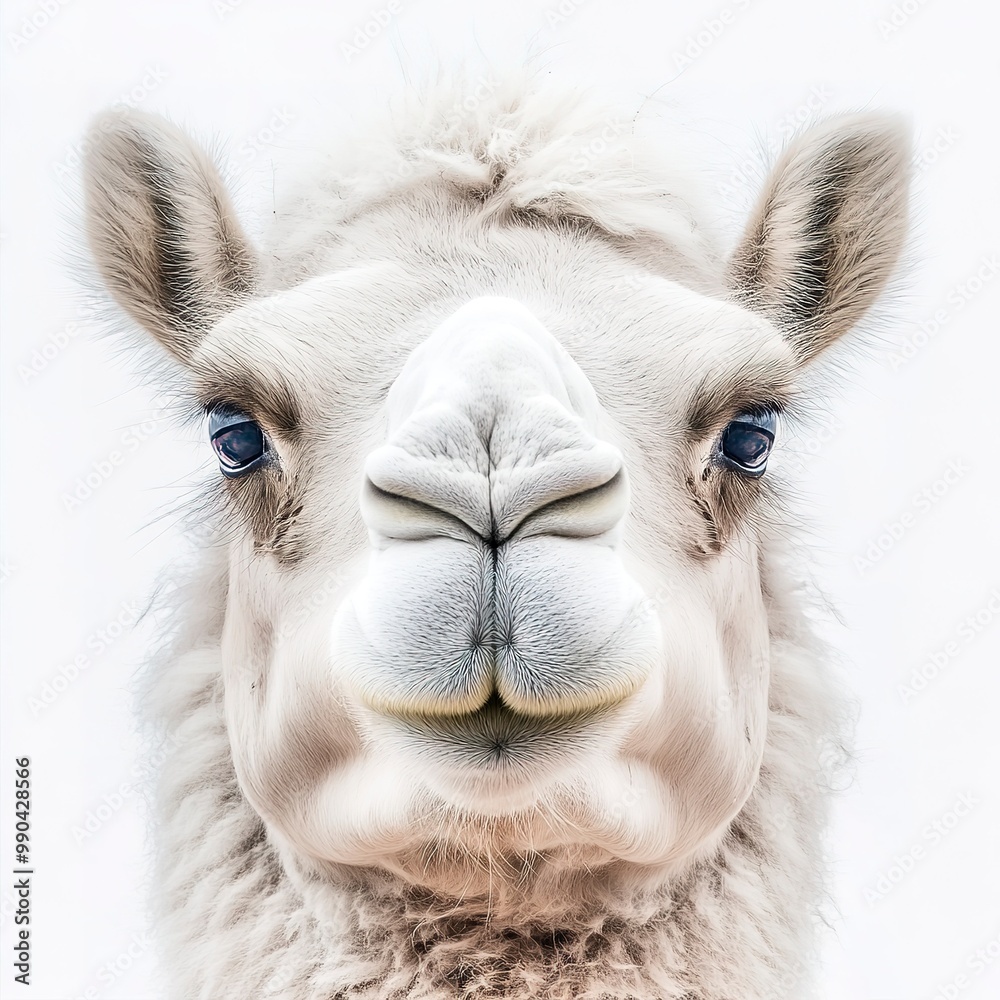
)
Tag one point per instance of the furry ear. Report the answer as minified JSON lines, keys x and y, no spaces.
{"x":162,"y":229}
{"x":828,"y":229}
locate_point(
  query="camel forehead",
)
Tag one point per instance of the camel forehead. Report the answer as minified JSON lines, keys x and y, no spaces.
{"x":380,"y":326}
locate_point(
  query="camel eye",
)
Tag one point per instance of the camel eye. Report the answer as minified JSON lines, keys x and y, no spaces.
{"x":238,"y":441}
{"x":747,"y":440}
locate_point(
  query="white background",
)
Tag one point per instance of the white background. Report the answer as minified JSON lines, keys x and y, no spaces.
{"x":268,"y":79}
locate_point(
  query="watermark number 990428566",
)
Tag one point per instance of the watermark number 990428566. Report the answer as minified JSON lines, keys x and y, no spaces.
{"x":22,"y":870}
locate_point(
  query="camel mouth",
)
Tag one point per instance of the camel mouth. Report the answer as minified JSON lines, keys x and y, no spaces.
{"x":546,"y":628}
{"x":496,"y":749}
{"x":495,"y":704}
{"x":498,"y":723}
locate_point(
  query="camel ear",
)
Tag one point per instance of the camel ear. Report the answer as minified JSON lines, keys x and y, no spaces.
{"x":828,"y":229}
{"x":162,"y":229}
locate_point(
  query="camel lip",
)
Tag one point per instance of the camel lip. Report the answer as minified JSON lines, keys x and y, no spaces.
{"x":496,"y":719}
{"x":498,"y":741}
{"x":492,"y":708}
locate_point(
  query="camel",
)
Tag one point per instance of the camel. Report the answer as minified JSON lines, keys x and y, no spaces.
{"x":497,"y":679}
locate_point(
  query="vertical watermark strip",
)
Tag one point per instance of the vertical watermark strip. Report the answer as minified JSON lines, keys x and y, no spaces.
{"x":22,"y":872}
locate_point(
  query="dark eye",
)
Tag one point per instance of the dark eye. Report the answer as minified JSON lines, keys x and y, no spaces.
{"x":746,"y":441}
{"x":238,"y":441}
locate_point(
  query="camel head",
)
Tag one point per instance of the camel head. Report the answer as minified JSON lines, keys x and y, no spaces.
{"x":495,"y":486}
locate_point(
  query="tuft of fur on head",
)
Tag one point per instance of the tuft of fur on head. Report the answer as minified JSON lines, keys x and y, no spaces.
{"x":525,"y":153}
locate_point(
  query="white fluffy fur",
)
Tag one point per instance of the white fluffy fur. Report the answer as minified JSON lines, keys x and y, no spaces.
{"x":656,"y":829}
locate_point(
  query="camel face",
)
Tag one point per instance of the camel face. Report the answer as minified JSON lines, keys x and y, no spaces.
{"x":516,"y":587}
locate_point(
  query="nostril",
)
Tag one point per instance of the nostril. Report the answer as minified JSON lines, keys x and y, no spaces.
{"x":416,"y":496}
{"x":586,"y":514}
{"x":402,"y":518}
{"x":573,"y":492}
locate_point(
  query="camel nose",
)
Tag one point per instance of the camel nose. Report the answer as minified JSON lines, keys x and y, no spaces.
{"x":491,"y":434}
{"x":579,"y":493}
{"x":494,"y":466}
